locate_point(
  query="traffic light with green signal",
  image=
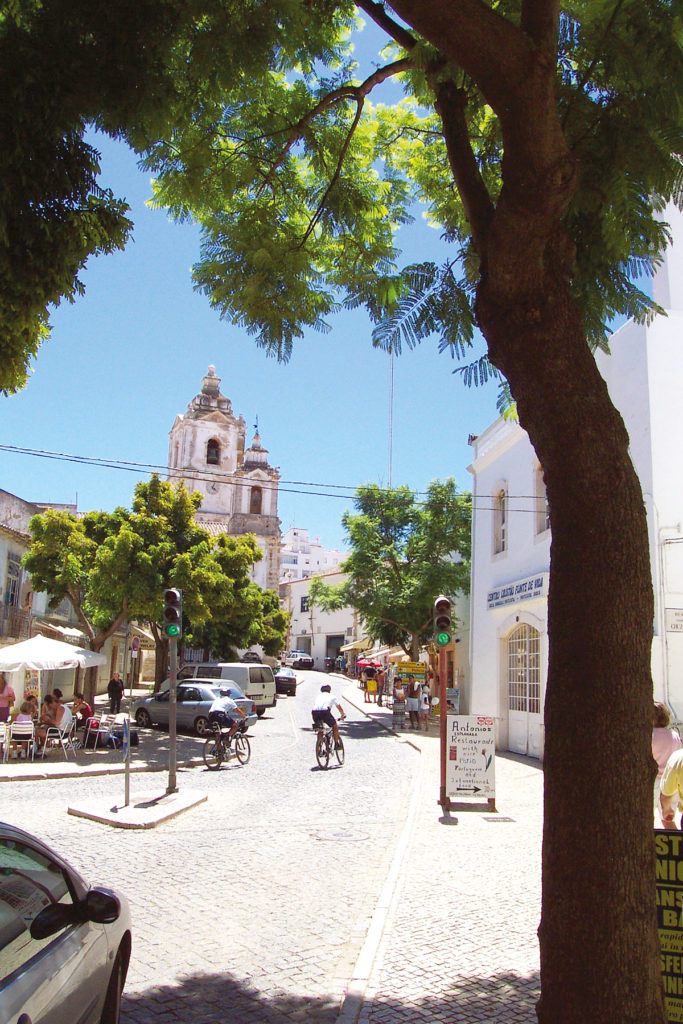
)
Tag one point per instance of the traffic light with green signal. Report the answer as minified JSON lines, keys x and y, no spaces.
{"x":173,"y":613}
{"x":442,"y":620}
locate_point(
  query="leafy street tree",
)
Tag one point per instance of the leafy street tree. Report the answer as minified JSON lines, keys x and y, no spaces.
{"x":115,"y":566}
{"x":255,"y":615}
{"x":545,"y":142}
{"x":403,"y":553}
{"x":132,"y":67}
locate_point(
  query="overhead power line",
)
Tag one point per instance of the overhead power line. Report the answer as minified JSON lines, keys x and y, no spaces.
{"x":344,"y":492}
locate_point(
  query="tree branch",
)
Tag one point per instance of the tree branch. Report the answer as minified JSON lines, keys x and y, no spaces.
{"x":492,"y":50}
{"x":539,"y":21}
{"x":342,"y":153}
{"x":450,"y":106}
{"x":344,"y":92}
{"x":379,"y":15}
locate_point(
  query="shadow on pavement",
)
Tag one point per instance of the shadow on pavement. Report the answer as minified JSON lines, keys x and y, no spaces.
{"x":530,"y":762}
{"x":221,"y":999}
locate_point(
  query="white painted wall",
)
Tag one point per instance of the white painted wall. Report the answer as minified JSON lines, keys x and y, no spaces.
{"x":313,"y":627}
{"x":644,"y":374}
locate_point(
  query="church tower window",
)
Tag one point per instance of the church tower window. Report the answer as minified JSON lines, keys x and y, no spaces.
{"x":213,"y":452}
{"x":256,"y":500}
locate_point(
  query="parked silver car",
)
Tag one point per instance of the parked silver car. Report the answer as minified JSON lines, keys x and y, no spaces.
{"x":298,"y":659}
{"x":64,"y":947}
{"x":195,"y":697}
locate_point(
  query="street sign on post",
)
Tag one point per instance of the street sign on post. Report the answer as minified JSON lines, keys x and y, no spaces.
{"x":126,"y":755}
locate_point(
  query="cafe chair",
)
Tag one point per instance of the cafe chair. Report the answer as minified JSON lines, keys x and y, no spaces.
{"x":99,"y":729}
{"x":20,"y":735}
{"x":54,"y":737}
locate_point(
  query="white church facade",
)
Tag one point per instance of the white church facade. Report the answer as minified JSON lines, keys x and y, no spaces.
{"x":207,"y":451}
{"x":511,"y":532}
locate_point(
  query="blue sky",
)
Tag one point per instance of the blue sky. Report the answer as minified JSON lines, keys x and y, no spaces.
{"x":129,"y":356}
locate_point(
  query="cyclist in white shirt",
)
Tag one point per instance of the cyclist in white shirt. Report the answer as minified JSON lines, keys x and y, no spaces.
{"x":322,"y":710}
{"x":223,"y":712}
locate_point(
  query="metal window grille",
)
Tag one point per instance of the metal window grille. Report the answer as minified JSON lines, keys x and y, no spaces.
{"x":524,"y":678}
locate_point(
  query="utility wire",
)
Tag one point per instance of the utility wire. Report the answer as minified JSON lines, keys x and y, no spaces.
{"x":344,"y":492}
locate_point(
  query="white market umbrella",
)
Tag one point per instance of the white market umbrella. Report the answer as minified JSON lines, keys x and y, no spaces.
{"x":40,"y":653}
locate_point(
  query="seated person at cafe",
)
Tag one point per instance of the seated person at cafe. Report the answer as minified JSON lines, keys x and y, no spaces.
{"x":81,"y":710}
{"x":58,"y":695}
{"x":24,"y":716}
{"x":54,"y":714}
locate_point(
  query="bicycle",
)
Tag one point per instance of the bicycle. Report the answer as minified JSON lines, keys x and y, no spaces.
{"x":218,"y":747}
{"x":325,"y":745}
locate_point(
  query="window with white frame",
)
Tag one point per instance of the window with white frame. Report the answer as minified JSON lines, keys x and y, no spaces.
{"x":13,"y":575}
{"x":500,"y":521}
{"x":542,"y":506}
{"x":304,"y":603}
{"x":523,"y":669}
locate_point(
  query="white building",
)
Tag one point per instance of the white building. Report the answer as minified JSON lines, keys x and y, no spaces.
{"x":321,"y":634}
{"x":302,"y":557}
{"x":238,"y":486}
{"x":511,"y":535}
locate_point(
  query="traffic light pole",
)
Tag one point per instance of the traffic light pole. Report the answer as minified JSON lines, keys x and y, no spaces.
{"x":443,"y":726}
{"x":172,"y":709}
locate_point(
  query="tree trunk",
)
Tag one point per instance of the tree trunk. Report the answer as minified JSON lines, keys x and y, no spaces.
{"x":160,"y":658}
{"x":598,"y":938}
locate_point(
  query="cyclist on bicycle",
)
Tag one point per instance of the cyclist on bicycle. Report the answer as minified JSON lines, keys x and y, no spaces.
{"x":322,"y":711}
{"x":222,"y":713}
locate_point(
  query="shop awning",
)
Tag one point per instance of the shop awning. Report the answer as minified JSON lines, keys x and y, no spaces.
{"x":69,"y":631}
{"x":358,"y":645}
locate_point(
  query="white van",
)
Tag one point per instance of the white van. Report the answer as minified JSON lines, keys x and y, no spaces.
{"x":255,"y":681}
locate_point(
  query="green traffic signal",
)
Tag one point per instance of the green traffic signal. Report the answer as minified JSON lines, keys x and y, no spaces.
{"x":443,"y":638}
{"x":173,"y":612}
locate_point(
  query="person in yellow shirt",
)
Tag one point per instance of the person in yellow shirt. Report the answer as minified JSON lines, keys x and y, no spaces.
{"x":671,"y":788}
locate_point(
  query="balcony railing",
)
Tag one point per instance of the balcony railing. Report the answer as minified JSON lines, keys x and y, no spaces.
{"x":15,"y":622}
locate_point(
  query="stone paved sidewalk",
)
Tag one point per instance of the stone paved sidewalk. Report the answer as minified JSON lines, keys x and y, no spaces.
{"x":455,"y":939}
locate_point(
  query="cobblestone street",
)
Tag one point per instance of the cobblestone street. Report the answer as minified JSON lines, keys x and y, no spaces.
{"x":289,"y":885}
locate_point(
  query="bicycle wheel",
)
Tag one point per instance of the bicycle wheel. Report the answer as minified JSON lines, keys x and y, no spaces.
{"x":213,"y":753}
{"x":322,"y":751}
{"x":339,"y":751}
{"x":242,"y":748}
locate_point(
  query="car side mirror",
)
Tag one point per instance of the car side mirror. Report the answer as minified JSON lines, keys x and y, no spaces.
{"x":102,"y":906}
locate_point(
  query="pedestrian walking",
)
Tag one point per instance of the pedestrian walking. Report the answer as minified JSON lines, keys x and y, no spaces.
{"x":425,"y":702}
{"x":413,"y":702}
{"x":371,"y":685}
{"x":115,"y":693}
{"x":665,"y":740}
{"x":381,"y":679}
{"x":7,"y":698}
{"x":399,"y":704}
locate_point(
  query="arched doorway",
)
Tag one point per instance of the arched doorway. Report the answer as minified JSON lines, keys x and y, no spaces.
{"x":523,"y":669}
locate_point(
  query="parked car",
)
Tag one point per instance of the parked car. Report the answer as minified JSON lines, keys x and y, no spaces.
{"x":298,"y":659}
{"x":286,"y":682}
{"x":64,"y":946}
{"x":194,"y":700}
{"x":255,"y":681}
{"x":252,"y":656}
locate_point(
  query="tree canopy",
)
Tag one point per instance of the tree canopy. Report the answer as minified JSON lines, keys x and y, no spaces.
{"x":114,"y":567}
{"x":404,"y":552}
{"x":544,"y":140}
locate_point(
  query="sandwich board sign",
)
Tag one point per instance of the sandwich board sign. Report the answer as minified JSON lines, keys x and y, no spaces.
{"x":470,"y":764}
